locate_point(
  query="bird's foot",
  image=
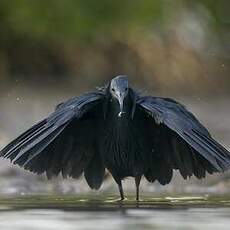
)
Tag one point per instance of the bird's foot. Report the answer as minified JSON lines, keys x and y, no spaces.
{"x":139,"y":200}
{"x":120,"y":114}
{"x":120,"y":200}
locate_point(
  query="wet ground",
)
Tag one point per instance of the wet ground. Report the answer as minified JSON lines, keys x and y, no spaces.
{"x":83,"y":212}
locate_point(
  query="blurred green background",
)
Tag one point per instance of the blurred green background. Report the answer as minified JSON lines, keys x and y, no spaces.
{"x":52,"y":50}
{"x":164,"y":44}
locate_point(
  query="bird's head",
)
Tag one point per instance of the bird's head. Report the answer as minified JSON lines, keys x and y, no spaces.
{"x":119,"y":89}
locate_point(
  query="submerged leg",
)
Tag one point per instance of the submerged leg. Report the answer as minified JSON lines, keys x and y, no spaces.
{"x":137,"y":183}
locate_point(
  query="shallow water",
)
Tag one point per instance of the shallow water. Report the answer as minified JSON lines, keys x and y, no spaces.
{"x":83,"y":212}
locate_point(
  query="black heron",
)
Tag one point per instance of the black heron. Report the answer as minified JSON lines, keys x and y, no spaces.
{"x":117,"y":129}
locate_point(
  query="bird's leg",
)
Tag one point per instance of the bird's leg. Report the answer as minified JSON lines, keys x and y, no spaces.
{"x":121,"y":190}
{"x":137,"y":183}
{"x":119,"y":183}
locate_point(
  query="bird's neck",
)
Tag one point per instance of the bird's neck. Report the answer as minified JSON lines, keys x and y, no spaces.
{"x":111,"y":107}
{"x":114,"y":109}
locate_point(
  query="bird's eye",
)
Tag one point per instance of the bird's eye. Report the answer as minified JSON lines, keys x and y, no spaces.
{"x":113,"y":89}
{"x":126,"y":89}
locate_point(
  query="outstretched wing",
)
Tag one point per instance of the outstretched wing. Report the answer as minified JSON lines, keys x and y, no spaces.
{"x":63,"y":142}
{"x":181,"y":142}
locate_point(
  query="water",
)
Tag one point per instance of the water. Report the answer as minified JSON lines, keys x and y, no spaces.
{"x":79,"y":212}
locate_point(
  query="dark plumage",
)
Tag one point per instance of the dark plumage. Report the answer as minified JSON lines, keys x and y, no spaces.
{"x":117,"y":129}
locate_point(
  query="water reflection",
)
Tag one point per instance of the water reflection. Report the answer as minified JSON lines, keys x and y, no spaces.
{"x":69,"y":213}
{"x":195,"y":218}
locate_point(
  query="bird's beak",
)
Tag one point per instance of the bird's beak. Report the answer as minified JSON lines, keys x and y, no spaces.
{"x":121,"y":98}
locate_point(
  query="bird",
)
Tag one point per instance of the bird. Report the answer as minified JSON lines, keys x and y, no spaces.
{"x":117,"y":129}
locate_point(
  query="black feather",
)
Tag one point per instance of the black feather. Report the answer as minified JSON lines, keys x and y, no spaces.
{"x":94,"y":172}
{"x":117,"y":129}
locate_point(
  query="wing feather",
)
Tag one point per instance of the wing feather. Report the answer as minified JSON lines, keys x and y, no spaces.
{"x":193,"y":150}
{"x":58,"y":143}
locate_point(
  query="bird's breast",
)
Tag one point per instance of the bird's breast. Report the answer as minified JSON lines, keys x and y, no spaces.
{"x":118,"y":145}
